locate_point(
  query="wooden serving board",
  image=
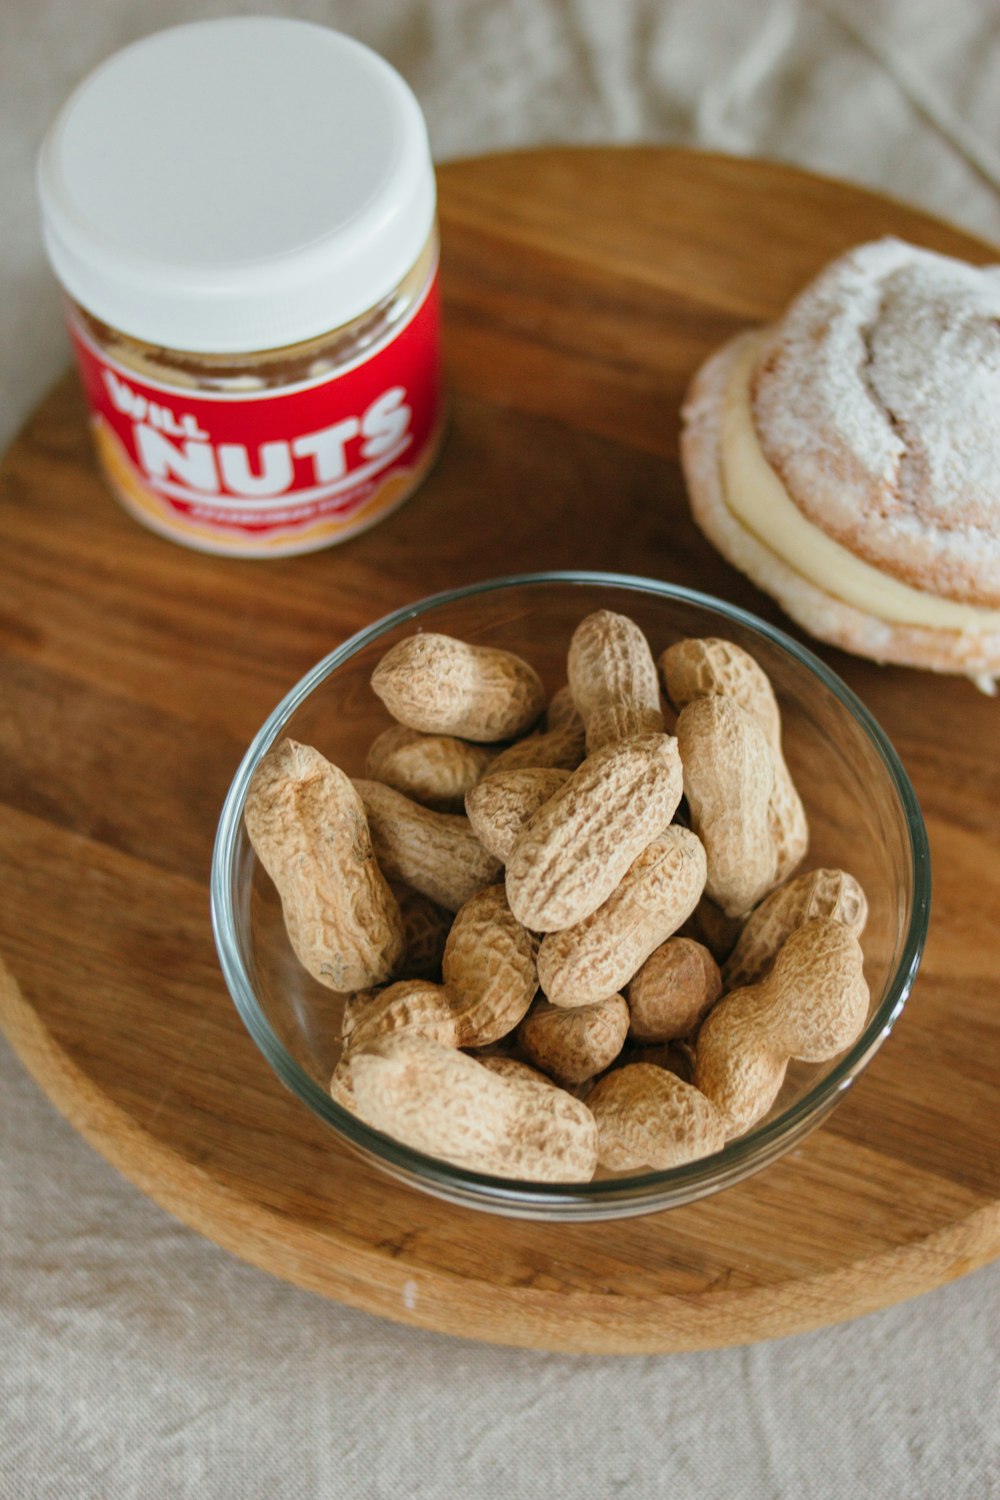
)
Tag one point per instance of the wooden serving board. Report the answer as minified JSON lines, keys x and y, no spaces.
{"x":582,"y":288}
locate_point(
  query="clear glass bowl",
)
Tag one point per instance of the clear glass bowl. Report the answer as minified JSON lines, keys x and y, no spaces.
{"x":863,"y":816}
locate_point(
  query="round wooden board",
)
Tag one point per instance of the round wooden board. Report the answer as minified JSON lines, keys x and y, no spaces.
{"x":582,"y":288}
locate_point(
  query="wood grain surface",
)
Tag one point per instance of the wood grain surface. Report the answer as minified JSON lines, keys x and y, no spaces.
{"x":582,"y":288}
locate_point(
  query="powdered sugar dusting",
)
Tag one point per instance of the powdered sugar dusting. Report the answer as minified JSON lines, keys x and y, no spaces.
{"x":975,"y":655}
{"x":877,"y":399}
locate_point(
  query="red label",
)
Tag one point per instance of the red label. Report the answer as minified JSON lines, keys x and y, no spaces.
{"x":276,"y":470}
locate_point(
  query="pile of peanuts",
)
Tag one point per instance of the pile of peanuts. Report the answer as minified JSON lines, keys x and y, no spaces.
{"x":568,"y":939}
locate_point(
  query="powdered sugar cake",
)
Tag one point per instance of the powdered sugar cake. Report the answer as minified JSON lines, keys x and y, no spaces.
{"x":848,"y":458}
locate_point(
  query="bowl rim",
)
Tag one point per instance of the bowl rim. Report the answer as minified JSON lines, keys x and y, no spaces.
{"x":643,"y":1191}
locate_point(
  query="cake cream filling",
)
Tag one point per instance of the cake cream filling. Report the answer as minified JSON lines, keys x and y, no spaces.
{"x":756,"y":497}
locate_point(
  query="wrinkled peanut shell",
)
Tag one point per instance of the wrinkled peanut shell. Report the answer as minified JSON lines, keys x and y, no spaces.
{"x":308,"y":827}
{"x":577,"y":847}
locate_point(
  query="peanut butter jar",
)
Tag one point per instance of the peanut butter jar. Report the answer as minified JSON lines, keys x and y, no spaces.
{"x":242,"y":216}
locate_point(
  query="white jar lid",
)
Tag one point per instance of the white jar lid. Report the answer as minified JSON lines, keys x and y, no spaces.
{"x":236,"y":185}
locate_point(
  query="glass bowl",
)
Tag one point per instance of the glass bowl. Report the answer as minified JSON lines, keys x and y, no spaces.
{"x":863,"y":815}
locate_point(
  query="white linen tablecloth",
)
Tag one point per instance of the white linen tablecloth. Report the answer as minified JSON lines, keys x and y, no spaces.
{"x":140,"y":1360}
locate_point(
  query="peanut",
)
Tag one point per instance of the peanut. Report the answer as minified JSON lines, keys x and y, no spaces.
{"x":713,"y":668}
{"x":439,"y":685}
{"x":820,"y":893}
{"x":341,"y":1088}
{"x":512,"y":1067}
{"x":787,"y":821}
{"x":677,"y":1057}
{"x":563,"y":712}
{"x":709,"y":668}
{"x":709,"y":925}
{"x":612,"y":677}
{"x":489,"y":971}
{"x":448,"y":1105}
{"x":673,"y":991}
{"x":574,"y":1045}
{"x":489,"y":966}
{"x":648,"y":1117}
{"x":600,"y":954}
{"x":425,"y":931}
{"x":728,"y":777}
{"x":562,"y":744}
{"x":436,"y":853}
{"x":504,"y":802}
{"x":308,"y":827}
{"x":411,"y":1006}
{"x":435,"y":769}
{"x":508,"y":1065}
{"x":577,"y":847}
{"x":811,"y":1005}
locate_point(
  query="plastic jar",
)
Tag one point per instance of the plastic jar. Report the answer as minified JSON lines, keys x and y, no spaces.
{"x":242,"y":215}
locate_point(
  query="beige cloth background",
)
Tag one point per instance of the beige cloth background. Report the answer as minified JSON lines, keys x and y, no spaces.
{"x":141,"y":1361}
